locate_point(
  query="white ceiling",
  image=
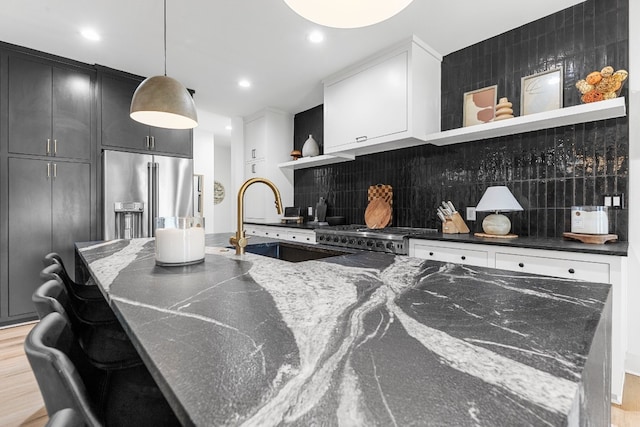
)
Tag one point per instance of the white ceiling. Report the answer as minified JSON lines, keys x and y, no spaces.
{"x":211,"y":44}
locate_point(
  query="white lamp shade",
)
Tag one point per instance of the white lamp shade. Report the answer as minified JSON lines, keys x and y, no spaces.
{"x":498,"y":199}
{"x":347,"y":13}
{"x":164,"y":102}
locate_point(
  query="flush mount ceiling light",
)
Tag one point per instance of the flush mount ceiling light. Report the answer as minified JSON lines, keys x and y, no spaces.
{"x":90,"y":34}
{"x":347,"y":13}
{"x":163,"y":101}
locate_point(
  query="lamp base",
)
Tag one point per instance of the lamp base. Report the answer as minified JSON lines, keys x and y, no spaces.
{"x":496,"y":224}
{"x":499,"y":236}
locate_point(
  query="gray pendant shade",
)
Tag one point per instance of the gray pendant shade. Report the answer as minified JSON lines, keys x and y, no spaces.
{"x":164,"y":102}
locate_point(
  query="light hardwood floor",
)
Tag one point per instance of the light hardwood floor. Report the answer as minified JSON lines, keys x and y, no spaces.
{"x":21,"y":403}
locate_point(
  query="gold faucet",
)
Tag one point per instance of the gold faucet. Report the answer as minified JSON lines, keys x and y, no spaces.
{"x":240,"y":240}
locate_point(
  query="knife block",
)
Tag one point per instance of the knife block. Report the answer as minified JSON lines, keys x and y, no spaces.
{"x":454,"y":225}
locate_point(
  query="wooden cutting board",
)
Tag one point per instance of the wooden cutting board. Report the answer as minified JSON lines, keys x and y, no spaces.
{"x":382,"y":191}
{"x":378,"y":214}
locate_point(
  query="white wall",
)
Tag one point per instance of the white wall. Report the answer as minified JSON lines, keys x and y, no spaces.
{"x":203,"y":164}
{"x":632,"y":364}
{"x":224,"y":211}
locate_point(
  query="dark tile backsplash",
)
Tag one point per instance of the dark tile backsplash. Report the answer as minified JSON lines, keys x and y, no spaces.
{"x":548,"y":171}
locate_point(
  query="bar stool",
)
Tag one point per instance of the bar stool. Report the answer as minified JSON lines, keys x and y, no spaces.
{"x":111,"y":397}
{"x":106,"y":345}
{"x":66,"y":418}
{"x":87,"y":291}
{"x":53,"y":355}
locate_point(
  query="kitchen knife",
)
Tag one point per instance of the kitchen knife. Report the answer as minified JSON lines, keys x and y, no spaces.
{"x":453,"y":209}
{"x":441,"y":216}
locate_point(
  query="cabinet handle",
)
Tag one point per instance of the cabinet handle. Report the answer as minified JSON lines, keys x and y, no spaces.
{"x":430,"y":253}
{"x":153,"y":142}
{"x":55,"y":170}
{"x":253,"y":168}
{"x":521,"y":265}
{"x":55,"y":147}
{"x":48,"y":170}
{"x":253,"y":153}
{"x":463,"y":257}
{"x":48,"y":146}
{"x":571,"y":270}
{"x":146,"y":142}
{"x":361,"y":138}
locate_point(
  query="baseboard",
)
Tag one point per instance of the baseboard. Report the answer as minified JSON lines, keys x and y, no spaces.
{"x":632,"y":364}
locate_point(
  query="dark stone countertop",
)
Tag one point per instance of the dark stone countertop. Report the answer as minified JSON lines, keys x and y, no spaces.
{"x":360,"y":339}
{"x":549,"y":243}
{"x":303,"y":226}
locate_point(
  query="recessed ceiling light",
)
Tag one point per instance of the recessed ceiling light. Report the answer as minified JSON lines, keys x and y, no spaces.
{"x":244,"y":83}
{"x":228,"y":127}
{"x":90,"y":34}
{"x":315,"y":37}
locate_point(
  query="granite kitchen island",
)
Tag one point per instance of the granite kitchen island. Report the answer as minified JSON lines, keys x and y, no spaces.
{"x":360,"y":339}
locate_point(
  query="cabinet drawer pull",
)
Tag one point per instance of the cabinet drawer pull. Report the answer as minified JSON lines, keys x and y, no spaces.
{"x":571,"y":270}
{"x":430,"y":253}
{"x":361,"y":138}
{"x":521,"y":265}
{"x":293,"y":237}
{"x":463,"y":257}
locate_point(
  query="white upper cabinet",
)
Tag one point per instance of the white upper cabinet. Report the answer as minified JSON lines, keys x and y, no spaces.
{"x":389,"y":98}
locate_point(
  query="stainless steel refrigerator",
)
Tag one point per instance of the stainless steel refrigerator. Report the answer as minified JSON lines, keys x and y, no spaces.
{"x":140,"y":187}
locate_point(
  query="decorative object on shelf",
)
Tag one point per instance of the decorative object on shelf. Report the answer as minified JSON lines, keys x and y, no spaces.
{"x":602,"y":85}
{"x":452,"y":222}
{"x":497,"y":199}
{"x":218,"y":192}
{"x":541,"y":92}
{"x":296,"y":154}
{"x":310,"y":147}
{"x":163,"y":101}
{"x":504,"y":110}
{"x":349,"y":14}
{"x":479,"y":106}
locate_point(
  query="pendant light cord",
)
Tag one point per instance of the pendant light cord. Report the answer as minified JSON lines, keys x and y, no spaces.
{"x":165,"y":38}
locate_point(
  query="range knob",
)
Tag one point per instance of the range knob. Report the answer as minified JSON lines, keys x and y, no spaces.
{"x":321,"y":238}
{"x":379,"y":245}
{"x":344,"y":240}
{"x":336,"y":239}
{"x":360,"y":242}
{"x":369,"y":243}
{"x":390,"y":245}
{"x":351,"y":241}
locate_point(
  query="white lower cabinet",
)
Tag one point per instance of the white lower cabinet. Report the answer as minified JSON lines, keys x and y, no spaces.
{"x":282,"y":233}
{"x":467,"y":256}
{"x":568,"y":265}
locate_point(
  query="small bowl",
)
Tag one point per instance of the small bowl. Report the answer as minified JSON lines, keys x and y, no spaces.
{"x":335,"y":220}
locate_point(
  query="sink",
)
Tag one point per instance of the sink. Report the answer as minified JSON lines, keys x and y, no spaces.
{"x":291,"y":252}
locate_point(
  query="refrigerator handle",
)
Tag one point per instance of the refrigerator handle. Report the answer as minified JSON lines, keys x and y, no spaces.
{"x":150,"y":222}
{"x":156,"y":194}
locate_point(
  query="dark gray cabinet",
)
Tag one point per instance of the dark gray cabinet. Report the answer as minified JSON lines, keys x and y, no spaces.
{"x":49,"y":109}
{"x":119,"y":130}
{"x":49,"y":209}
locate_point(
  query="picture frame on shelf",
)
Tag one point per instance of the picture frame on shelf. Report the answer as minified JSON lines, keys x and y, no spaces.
{"x":479,"y":106}
{"x":541,"y":92}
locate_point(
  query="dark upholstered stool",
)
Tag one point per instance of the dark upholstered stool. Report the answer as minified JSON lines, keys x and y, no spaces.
{"x":124,"y":397}
{"x":56,"y":361}
{"x":66,"y":418}
{"x":106,"y":345}
{"x":93,"y":310}
{"x":85,"y":291}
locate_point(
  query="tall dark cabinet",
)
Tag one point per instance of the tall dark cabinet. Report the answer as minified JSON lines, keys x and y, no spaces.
{"x":47,"y":169}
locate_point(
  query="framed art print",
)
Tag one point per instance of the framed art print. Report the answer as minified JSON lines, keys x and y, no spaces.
{"x":479,"y":106}
{"x":541,"y":92}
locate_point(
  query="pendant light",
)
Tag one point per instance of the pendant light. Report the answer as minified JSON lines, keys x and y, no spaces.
{"x":163,"y":101}
{"x":347,"y":13}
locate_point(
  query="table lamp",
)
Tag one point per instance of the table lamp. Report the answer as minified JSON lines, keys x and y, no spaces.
{"x":497,"y":199}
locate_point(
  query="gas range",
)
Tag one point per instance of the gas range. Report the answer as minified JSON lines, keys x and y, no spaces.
{"x":393,"y":240}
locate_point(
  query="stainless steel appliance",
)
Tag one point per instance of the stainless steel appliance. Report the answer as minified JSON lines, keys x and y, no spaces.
{"x":140,"y":187}
{"x":393,"y":240}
